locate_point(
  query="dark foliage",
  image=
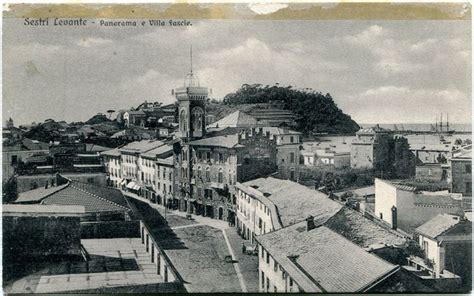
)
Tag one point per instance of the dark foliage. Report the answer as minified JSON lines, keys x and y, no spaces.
{"x":317,"y":113}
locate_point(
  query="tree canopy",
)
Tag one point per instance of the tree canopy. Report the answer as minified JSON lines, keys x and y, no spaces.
{"x":316,"y":113}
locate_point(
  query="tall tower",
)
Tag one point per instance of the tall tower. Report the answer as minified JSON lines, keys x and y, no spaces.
{"x":192,"y":106}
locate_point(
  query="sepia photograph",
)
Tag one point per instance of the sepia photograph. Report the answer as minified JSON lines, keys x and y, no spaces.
{"x":237,"y":148}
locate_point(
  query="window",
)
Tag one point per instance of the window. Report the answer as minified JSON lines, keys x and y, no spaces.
{"x":292,"y":157}
{"x":292,"y":175}
{"x":262,"y":252}
{"x":221,"y":157}
{"x":208,"y":175}
{"x":268,"y":284}
{"x":468,"y":187}
{"x":275,"y":266}
{"x":468,"y":168}
{"x":208,"y":156}
{"x":291,"y":282}
{"x":425,"y":248}
{"x":263,"y":280}
{"x":268,"y":258}
{"x":220,"y":176}
{"x":292,"y":139}
{"x":275,"y":289}
{"x":199,"y":156}
{"x":14,"y":159}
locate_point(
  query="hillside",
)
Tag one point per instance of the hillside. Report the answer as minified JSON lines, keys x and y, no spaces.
{"x":316,"y":113}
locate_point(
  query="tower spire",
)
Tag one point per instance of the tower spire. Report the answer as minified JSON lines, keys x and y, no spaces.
{"x":191,"y":58}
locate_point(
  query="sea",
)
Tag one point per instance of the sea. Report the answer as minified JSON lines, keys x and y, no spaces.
{"x":343,"y":142}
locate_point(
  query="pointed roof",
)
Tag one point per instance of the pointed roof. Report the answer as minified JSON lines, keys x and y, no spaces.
{"x":438,"y":225}
{"x":236,"y":119}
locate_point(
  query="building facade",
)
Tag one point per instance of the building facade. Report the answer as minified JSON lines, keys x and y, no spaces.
{"x":460,"y":171}
{"x":370,"y":148}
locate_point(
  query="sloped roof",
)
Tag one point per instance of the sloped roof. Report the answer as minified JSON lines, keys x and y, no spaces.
{"x":438,"y":225}
{"x":36,"y":195}
{"x":93,"y":197}
{"x":95,"y":148}
{"x":362,"y":231}
{"x":293,"y":202}
{"x":236,"y":119}
{"x":320,"y":260}
{"x":111,"y":152}
{"x":142,"y":146}
{"x":279,"y":131}
{"x":164,"y":149}
{"x":227,"y":141}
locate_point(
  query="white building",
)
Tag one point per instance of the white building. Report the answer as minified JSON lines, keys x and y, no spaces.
{"x":268,"y":204}
{"x":404,"y":207}
{"x":113,"y":167}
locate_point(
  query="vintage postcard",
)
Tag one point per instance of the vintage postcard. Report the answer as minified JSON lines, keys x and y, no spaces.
{"x":239,"y":148}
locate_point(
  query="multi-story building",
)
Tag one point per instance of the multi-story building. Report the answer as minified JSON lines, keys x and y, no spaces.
{"x":15,"y":154}
{"x":404,"y":207}
{"x":460,"y":171}
{"x":268,"y":204}
{"x":446,"y":241}
{"x":370,"y":148}
{"x":156,"y":177}
{"x":288,"y":144}
{"x":207,"y":167}
{"x":113,"y":167}
{"x":310,"y":257}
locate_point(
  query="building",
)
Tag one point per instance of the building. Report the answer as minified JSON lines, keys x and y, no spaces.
{"x":134,"y":117}
{"x":370,"y":148}
{"x":308,"y":257}
{"x":326,"y":157}
{"x":404,"y":207}
{"x":130,"y":162}
{"x":431,"y":172}
{"x":237,"y":119}
{"x":431,"y":153}
{"x":288,"y":144}
{"x":460,"y":171}
{"x":38,"y":180}
{"x":217,"y":163}
{"x":157,"y":174}
{"x":107,"y":211}
{"x":113,"y":167}
{"x":15,"y":154}
{"x":446,"y":241}
{"x":268,"y":204}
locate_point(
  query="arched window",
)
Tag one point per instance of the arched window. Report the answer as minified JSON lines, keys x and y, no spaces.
{"x":197,"y":118}
{"x":183,"y":121}
{"x":220,"y":176}
{"x":208,"y":175}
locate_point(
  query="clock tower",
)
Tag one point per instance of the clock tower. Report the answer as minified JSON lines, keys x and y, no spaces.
{"x":191,"y":107}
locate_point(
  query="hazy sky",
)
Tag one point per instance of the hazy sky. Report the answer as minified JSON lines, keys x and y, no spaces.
{"x":376,"y":71}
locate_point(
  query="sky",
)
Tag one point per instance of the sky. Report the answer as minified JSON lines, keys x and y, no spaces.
{"x":376,"y":71}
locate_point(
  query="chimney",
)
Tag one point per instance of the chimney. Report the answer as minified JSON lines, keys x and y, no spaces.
{"x":310,"y":223}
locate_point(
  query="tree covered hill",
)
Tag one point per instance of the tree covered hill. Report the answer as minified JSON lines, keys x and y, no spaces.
{"x":317,"y":113}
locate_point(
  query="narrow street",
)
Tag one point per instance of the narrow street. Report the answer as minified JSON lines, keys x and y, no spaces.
{"x":184,"y":239}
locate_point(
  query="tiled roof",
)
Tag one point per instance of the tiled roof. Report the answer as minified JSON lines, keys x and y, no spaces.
{"x":142,"y":146}
{"x":111,"y":152}
{"x":46,"y":210}
{"x":165,"y":149}
{"x":36,"y":195}
{"x":438,"y":225}
{"x":227,"y":141}
{"x":362,"y":231}
{"x":321,"y":260}
{"x":293,"y":202}
{"x":93,"y":197}
{"x":236,"y":119}
{"x":437,"y":201}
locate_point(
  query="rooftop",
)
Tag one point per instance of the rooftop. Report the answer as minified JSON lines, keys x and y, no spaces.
{"x":227,"y":141}
{"x":362,"y":231}
{"x":142,"y":146}
{"x":320,"y":260}
{"x":438,"y":225}
{"x":236,"y":119}
{"x":93,"y":197}
{"x":111,"y":152}
{"x":293,"y":202}
{"x":163,"y":150}
{"x":280,"y":131}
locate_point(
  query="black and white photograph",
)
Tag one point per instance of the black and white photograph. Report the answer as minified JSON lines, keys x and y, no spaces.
{"x":236,"y":148}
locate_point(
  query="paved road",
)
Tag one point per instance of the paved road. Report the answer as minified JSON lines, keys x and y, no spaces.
{"x":246,"y":266}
